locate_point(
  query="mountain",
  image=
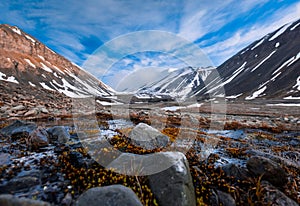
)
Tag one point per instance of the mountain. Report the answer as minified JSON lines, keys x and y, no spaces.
{"x":178,"y":83}
{"x":32,"y":66}
{"x":269,"y":68}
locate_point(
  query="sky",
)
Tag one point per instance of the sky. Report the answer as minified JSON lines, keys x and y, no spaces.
{"x":76,"y":29}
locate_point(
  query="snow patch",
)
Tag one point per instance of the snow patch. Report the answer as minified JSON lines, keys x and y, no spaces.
{"x":277,"y":44}
{"x":296,"y":58}
{"x":292,"y":98}
{"x":47,"y":69}
{"x":30,"y":63}
{"x":259,"y":43}
{"x":285,"y":104}
{"x":297,"y":85}
{"x":278,"y":33}
{"x":283,"y":65}
{"x":11,"y":79}
{"x":31,"y":84}
{"x":58,"y":69}
{"x":294,"y":27}
{"x":41,"y":57}
{"x":234,"y":96}
{"x":17,"y":30}
{"x":31,"y":39}
{"x":263,"y":61}
{"x":256,"y":93}
{"x":103,"y":103}
{"x":45,"y":86}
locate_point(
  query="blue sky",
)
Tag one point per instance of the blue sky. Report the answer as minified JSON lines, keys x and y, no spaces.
{"x":220,"y":28}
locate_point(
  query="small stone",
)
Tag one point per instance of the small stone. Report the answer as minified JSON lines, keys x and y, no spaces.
{"x":114,"y":195}
{"x":31,"y":113}
{"x":18,"y":108}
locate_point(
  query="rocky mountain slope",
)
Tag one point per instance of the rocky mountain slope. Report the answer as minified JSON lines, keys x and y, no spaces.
{"x":35,"y":80}
{"x":266,"y":69}
{"x":178,"y":83}
{"x":27,"y":62}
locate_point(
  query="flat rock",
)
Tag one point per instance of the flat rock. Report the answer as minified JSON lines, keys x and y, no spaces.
{"x":31,"y":113}
{"x":18,"y":128}
{"x":148,"y":137}
{"x":19,"y":184}
{"x":10,"y":200}
{"x":270,"y":170}
{"x":114,"y":195}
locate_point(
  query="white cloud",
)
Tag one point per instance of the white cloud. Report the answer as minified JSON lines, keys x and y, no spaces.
{"x":245,"y":36}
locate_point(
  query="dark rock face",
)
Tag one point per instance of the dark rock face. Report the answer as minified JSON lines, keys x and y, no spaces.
{"x":225,"y":199}
{"x":174,"y":186}
{"x":19,"y":183}
{"x":115,"y":195}
{"x":148,"y":137}
{"x":18,"y":128}
{"x":270,"y":170}
{"x":10,"y":200}
{"x":231,"y":170}
{"x":276,"y":197}
{"x":58,"y":133}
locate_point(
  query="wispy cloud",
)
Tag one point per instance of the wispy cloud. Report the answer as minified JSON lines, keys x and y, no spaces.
{"x":76,"y":28}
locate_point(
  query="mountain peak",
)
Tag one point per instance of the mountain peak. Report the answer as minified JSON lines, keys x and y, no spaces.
{"x":26,"y":61}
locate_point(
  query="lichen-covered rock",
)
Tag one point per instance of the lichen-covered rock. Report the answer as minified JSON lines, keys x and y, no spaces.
{"x":114,"y":195}
{"x":10,"y":200}
{"x":148,"y":137}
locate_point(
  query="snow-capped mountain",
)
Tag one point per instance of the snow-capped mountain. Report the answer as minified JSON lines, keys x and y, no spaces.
{"x":27,"y":63}
{"x":178,"y":83}
{"x":268,"y":68}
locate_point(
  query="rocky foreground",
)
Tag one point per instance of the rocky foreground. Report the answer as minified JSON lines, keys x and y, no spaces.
{"x":252,"y":162}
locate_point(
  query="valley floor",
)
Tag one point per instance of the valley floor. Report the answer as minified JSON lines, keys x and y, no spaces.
{"x":250,"y":156}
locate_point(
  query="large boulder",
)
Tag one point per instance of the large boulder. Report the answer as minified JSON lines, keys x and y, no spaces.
{"x":18,"y":128}
{"x":59,"y":134}
{"x":38,"y":138}
{"x":148,"y":137}
{"x":114,"y":195}
{"x":174,"y":186}
{"x":10,"y":200}
{"x":270,"y":170}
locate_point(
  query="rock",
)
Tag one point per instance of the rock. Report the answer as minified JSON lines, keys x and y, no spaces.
{"x":114,"y":195}
{"x":270,"y":170}
{"x":10,"y":200}
{"x":19,"y":184}
{"x":44,"y":110}
{"x":222,"y":198}
{"x":174,"y":186}
{"x":18,"y":128}
{"x":5,"y":158}
{"x":148,"y":137}
{"x":77,"y":159}
{"x":18,"y":108}
{"x":38,"y":138}
{"x":231,"y":170}
{"x":4,"y":109}
{"x":58,"y":133}
{"x":31,"y":113}
{"x":67,"y":201}
{"x":275,"y":197}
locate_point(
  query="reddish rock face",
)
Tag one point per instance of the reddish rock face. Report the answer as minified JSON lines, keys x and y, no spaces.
{"x":38,"y":80}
